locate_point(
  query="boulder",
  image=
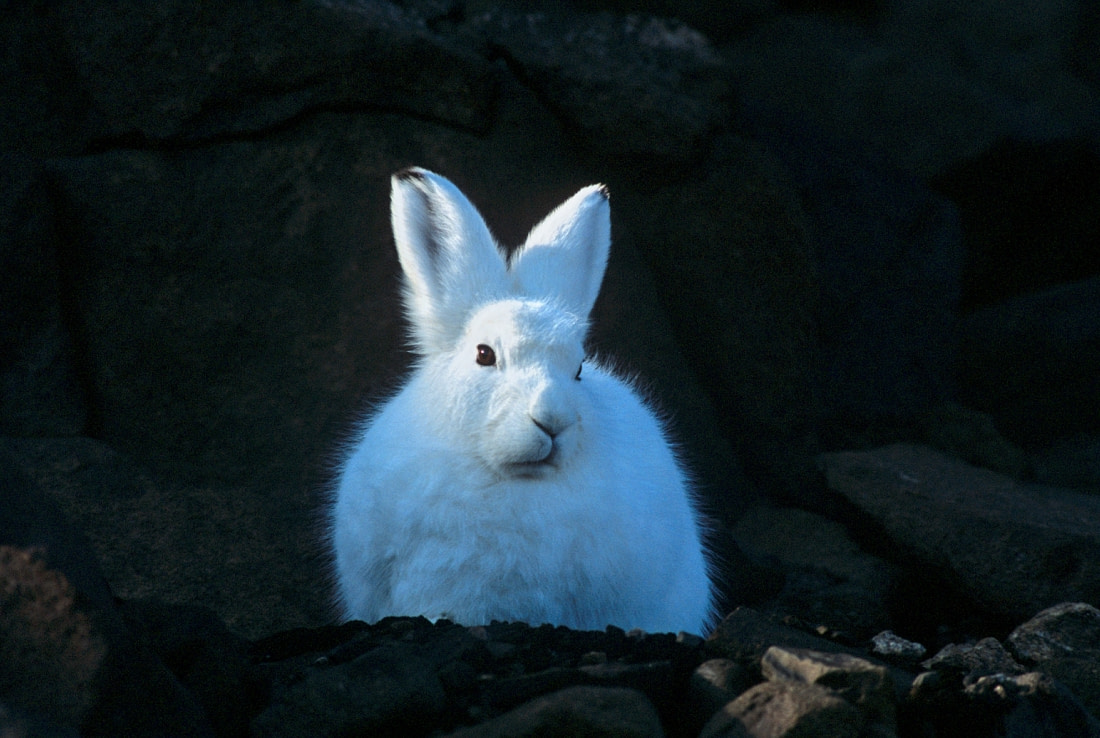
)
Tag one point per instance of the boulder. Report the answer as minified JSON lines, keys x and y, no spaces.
{"x":928,"y":83}
{"x":829,"y":579}
{"x":1027,"y":213}
{"x":1064,"y":642}
{"x":70,"y":661}
{"x":1032,"y":361}
{"x":888,"y":259}
{"x":1011,"y":548}
{"x":731,"y":242}
{"x":183,"y":72}
{"x":639,"y":87}
{"x":40,"y":383}
{"x":1073,"y":461}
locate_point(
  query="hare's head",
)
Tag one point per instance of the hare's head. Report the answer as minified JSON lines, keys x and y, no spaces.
{"x":501,"y":341}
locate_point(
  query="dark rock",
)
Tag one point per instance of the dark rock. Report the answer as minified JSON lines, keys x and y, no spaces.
{"x":1036,"y":704}
{"x":888,"y":260}
{"x":15,"y":723}
{"x":1032,"y":362}
{"x":43,"y":110}
{"x":67,"y":654}
{"x":640,"y":87}
{"x":1011,"y":548}
{"x":50,"y":649}
{"x":923,"y":87}
{"x":829,"y":579}
{"x":590,"y":711}
{"x":745,"y":635}
{"x":181,"y":71}
{"x":40,"y":389}
{"x":1068,"y":629}
{"x":461,"y":675}
{"x":987,"y":656}
{"x":1085,"y":50}
{"x":31,"y":520}
{"x":1070,"y":462}
{"x":1030,"y":704}
{"x":381,"y":690}
{"x":716,"y":18}
{"x":736,"y":247}
{"x":1028,"y":216}
{"x":207,"y":659}
{"x":972,"y":436}
{"x":200,"y":528}
{"x":1064,"y":642}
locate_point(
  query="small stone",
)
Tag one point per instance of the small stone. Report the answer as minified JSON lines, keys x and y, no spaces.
{"x":987,"y":656}
{"x":924,"y":684}
{"x":889,"y":644}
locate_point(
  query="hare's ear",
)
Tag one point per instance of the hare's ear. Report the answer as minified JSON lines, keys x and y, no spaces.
{"x":565,"y":255}
{"x":450,"y":260}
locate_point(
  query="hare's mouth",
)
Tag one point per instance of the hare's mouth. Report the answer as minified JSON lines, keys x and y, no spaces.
{"x":532,"y":470}
{"x":537,"y":468}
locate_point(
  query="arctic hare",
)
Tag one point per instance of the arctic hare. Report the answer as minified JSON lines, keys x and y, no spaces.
{"x":512,"y":478}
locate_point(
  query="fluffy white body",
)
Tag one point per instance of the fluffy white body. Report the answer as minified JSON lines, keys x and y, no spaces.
{"x":510,"y":479}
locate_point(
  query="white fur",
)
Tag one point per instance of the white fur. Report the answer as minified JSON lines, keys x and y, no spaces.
{"x":513,"y":491}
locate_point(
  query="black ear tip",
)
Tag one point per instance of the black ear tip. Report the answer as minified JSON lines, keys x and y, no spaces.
{"x":410,"y":174}
{"x":602,"y":189}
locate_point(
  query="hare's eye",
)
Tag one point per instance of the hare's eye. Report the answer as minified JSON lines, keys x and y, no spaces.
{"x":485,"y":355}
{"x":578,"y":374}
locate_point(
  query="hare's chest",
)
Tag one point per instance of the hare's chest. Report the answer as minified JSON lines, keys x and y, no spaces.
{"x":510,"y":545}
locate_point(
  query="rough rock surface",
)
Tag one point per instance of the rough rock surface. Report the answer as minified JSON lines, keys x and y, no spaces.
{"x":1064,"y":642}
{"x":1038,"y":545}
{"x":926,"y":83}
{"x":1030,"y":361}
{"x":827,"y":576}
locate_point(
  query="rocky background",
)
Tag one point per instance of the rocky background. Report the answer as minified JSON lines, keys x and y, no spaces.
{"x":855,"y":258}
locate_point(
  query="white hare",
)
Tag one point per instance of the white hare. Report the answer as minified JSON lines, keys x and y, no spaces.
{"x":512,"y":478}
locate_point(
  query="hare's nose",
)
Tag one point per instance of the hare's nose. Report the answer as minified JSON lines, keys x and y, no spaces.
{"x":550,"y":412}
{"x":550,"y":428}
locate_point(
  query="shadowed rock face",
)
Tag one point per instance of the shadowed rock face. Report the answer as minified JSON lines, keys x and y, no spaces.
{"x":198,"y":300}
{"x":1037,"y":545}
